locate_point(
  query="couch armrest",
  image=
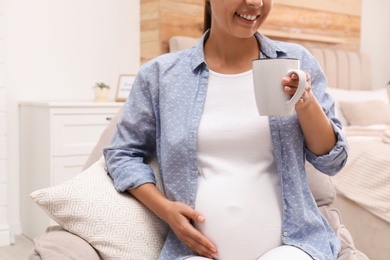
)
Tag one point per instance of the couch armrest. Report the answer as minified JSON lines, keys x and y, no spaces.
{"x":57,"y":243}
{"x":348,"y":250}
{"x":104,"y":140}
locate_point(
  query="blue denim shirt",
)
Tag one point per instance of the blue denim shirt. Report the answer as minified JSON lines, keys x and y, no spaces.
{"x":162,"y":115}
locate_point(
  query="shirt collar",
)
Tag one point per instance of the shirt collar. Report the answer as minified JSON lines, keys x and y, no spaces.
{"x":198,"y":58}
{"x":270,"y":48}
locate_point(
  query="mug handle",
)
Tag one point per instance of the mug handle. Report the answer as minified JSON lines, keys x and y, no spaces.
{"x":301,"y":87}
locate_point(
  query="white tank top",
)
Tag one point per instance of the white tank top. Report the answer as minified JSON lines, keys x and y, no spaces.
{"x":238,"y":188}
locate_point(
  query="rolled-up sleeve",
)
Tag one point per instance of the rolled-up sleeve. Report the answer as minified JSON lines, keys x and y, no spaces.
{"x":134,"y":139}
{"x":332,"y":162}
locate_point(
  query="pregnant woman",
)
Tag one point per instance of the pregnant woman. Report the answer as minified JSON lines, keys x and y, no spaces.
{"x":234,"y":182}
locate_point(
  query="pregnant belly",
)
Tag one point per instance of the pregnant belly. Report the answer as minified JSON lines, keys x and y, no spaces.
{"x":242,"y":217}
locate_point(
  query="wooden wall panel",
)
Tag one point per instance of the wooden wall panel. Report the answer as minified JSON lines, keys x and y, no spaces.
{"x":161,"y":19}
{"x":348,"y":7}
{"x":188,"y":21}
{"x":150,"y":29}
{"x":330,"y":23}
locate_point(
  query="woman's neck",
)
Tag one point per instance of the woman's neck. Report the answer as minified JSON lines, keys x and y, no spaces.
{"x":231,"y":55}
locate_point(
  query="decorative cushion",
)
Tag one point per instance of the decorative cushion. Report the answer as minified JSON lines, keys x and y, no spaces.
{"x":116,"y":224}
{"x":373,"y":112}
{"x":359,"y":95}
{"x":340,"y":95}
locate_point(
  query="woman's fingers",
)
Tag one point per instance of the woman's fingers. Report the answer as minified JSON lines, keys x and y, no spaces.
{"x":291,"y":83}
{"x":199,"y":244}
{"x":179,"y":221}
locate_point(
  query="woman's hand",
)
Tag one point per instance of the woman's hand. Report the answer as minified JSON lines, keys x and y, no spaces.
{"x":317,"y":129}
{"x":178,"y":217}
{"x":291,"y":85}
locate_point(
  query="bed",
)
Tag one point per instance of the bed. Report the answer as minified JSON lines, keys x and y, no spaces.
{"x":363,"y":186}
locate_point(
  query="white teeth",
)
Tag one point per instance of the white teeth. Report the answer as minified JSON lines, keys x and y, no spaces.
{"x":248,"y":17}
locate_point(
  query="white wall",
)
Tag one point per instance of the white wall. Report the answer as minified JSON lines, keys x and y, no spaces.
{"x":57,"y":50}
{"x":5,"y":238}
{"x":375,"y":39}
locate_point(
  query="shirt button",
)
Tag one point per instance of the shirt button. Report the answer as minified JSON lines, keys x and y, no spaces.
{"x":284,"y":207}
{"x":285,"y":234}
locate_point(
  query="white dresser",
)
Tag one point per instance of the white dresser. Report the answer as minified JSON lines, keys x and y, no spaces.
{"x":55,"y":141}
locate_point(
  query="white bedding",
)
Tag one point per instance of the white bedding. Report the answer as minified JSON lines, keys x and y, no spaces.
{"x":366,"y":177}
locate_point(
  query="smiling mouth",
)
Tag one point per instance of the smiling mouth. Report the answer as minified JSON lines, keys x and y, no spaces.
{"x":247,"y":17}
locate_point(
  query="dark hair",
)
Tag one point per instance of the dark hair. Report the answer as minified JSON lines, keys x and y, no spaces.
{"x":207,"y":16}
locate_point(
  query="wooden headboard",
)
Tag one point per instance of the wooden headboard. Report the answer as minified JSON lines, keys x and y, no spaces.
{"x":344,"y":69}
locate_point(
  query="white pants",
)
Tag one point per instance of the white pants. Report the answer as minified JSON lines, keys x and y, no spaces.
{"x":280,"y":253}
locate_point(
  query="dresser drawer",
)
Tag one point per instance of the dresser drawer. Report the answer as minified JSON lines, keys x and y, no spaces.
{"x":77,"y":134}
{"x":67,"y":167}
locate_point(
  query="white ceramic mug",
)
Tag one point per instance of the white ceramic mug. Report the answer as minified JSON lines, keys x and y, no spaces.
{"x":271,"y":99}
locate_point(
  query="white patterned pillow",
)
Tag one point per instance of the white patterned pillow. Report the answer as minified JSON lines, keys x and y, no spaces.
{"x":116,"y":224}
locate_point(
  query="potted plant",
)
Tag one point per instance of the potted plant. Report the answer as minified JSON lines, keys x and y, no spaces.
{"x":101,"y":92}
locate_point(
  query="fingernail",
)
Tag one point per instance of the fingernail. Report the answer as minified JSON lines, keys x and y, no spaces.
{"x":200,"y":218}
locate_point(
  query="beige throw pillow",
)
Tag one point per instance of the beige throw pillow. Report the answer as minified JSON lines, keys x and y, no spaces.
{"x":116,"y":224}
{"x":349,"y":95}
{"x":373,"y":112}
{"x":47,"y":246}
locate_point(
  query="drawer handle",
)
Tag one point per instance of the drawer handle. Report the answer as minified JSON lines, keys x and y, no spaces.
{"x":108,"y":118}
